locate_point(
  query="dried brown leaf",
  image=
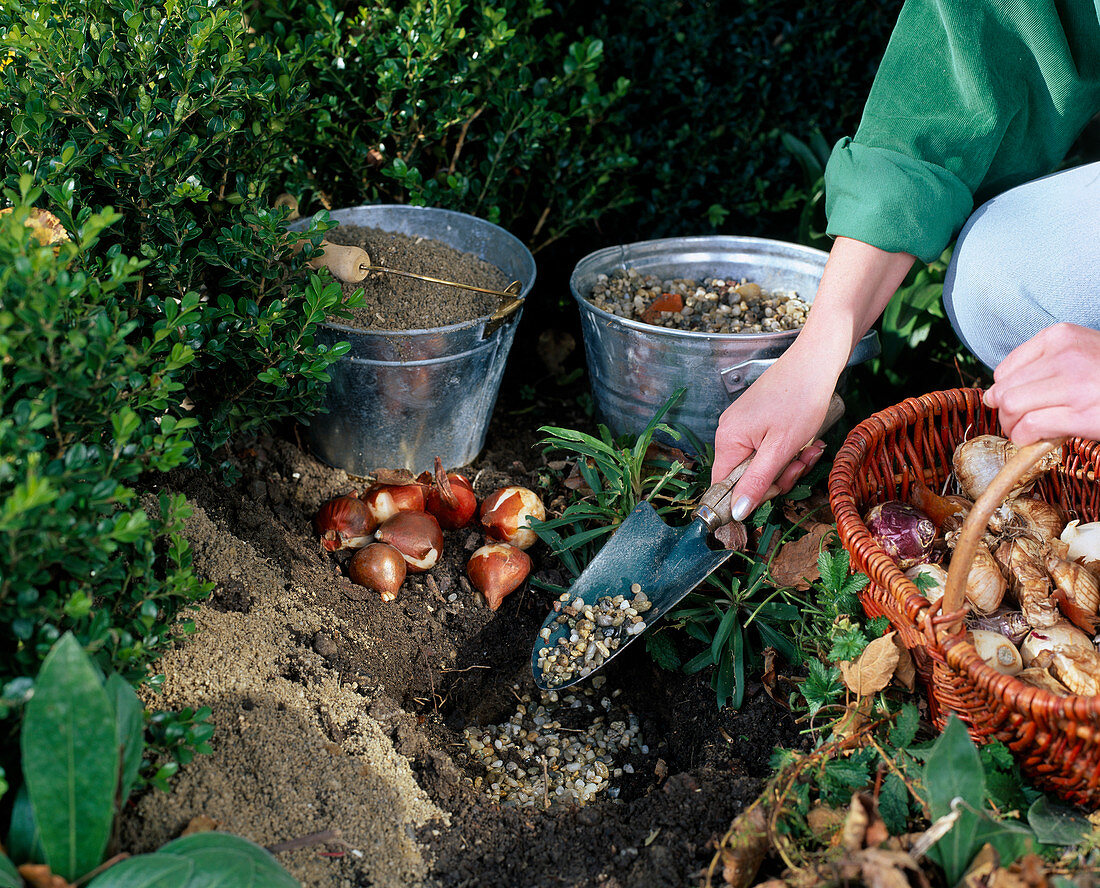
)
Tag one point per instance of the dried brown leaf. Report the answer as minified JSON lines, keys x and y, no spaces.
{"x":732,"y":536}
{"x":881,"y":868}
{"x":817,"y":503}
{"x":38,"y":875}
{"x":657,"y":452}
{"x":554,"y":347}
{"x":825,"y":822}
{"x":856,"y":821}
{"x":795,"y":564}
{"x":980,"y":872}
{"x":575,"y":481}
{"x":200,"y":823}
{"x":906,"y":671}
{"x":394,"y":476}
{"x":872,"y":670}
{"x":747,"y":847}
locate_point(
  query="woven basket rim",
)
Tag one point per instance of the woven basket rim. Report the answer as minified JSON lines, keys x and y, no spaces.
{"x":885,"y":573}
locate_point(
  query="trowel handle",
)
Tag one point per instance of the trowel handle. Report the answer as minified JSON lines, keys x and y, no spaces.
{"x":714,"y":505}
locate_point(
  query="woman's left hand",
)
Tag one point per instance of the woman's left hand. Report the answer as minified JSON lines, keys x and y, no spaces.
{"x":1050,"y":386}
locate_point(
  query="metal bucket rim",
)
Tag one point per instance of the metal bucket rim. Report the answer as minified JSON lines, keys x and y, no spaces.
{"x":712,"y":240}
{"x":302,"y":223}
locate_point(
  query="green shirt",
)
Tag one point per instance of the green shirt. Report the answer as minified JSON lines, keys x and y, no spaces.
{"x":972,"y":97}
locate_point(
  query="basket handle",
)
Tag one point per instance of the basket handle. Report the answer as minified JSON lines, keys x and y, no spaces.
{"x":978,"y":518}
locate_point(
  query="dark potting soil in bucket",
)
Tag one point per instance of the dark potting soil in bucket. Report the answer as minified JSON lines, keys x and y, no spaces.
{"x":399,"y":303}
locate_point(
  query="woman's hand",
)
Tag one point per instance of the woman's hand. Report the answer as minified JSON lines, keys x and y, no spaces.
{"x":779,"y":414}
{"x":773,"y":421}
{"x":1050,"y":386}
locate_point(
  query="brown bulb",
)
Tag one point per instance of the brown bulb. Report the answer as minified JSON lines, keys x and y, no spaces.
{"x":380,"y":568}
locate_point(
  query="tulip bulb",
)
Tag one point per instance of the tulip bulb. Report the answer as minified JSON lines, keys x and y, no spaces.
{"x":386,"y":500}
{"x":380,"y":568}
{"x":498,"y":569}
{"x":344,"y":522}
{"x":416,"y":535}
{"x":505,"y":515}
{"x":450,"y":498}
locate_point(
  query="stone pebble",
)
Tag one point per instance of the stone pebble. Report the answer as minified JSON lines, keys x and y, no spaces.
{"x":713,"y":305}
{"x":534,"y":761}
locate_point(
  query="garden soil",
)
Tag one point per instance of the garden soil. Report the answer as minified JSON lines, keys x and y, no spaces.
{"x":339,"y":718}
{"x":396,"y":302}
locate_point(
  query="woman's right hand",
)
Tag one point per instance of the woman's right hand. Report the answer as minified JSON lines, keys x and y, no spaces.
{"x":775,"y":421}
{"x":783,"y":410}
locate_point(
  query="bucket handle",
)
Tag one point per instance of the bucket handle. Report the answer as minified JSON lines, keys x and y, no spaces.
{"x":740,"y":376}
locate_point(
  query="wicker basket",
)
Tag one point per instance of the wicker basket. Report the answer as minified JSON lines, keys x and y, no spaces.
{"x":1056,"y":739}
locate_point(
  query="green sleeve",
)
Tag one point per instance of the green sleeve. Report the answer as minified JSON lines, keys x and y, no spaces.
{"x":972,"y":97}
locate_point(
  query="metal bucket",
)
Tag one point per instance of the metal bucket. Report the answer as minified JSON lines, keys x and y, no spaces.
{"x":399,"y":398}
{"x":634,"y":368}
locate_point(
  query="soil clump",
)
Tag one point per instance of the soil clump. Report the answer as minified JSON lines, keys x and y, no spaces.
{"x":399,"y":303}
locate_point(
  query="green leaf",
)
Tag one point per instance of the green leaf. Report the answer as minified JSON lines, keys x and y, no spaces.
{"x":9,"y":875}
{"x":158,"y":870}
{"x":723,"y":632}
{"x":208,"y":849}
{"x":953,"y":772}
{"x":24,"y":840}
{"x":1056,"y":824}
{"x":893,"y":804}
{"x":129,"y":731}
{"x":904,"y":730}
{"x":69,"y":760}
{"x":663,"y":650}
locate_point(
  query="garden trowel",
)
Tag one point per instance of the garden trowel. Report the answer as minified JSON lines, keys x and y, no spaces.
{"x":664,"y":562}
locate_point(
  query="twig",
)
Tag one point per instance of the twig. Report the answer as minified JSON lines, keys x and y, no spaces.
{"x":107,"y":864}
{"x":545,"y":785}
{"x":462,"y":137}
{"x":318,"y":838}
{"x":466,"y":669}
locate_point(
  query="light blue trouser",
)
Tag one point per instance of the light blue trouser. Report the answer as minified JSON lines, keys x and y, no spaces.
{"x":1026,"y":259}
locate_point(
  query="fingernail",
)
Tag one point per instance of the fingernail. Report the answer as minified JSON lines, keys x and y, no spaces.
{"x":741,"y":508}
{"x":985,"y":397}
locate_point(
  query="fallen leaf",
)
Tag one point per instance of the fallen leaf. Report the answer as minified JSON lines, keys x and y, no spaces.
{"x":856,"y":821}
{"x":1030,"y":871}
{"x":200,"y":823}
{"x":795,"y":564}
{"x":732,"y":536}
{"x":881,"y":868}
{"x":980,"y":872}
{"x":748,"y":846}
{"x":825,"y":822}
{"x":906,"y":671}
{"x":872,"y":670}
{"x":394,"y":476}
{"x":575,"y":481}
{"x":38,"y":875}
{"x":666,"y":302}
{"x":666,"y":455}
{"x":817,"y":503}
